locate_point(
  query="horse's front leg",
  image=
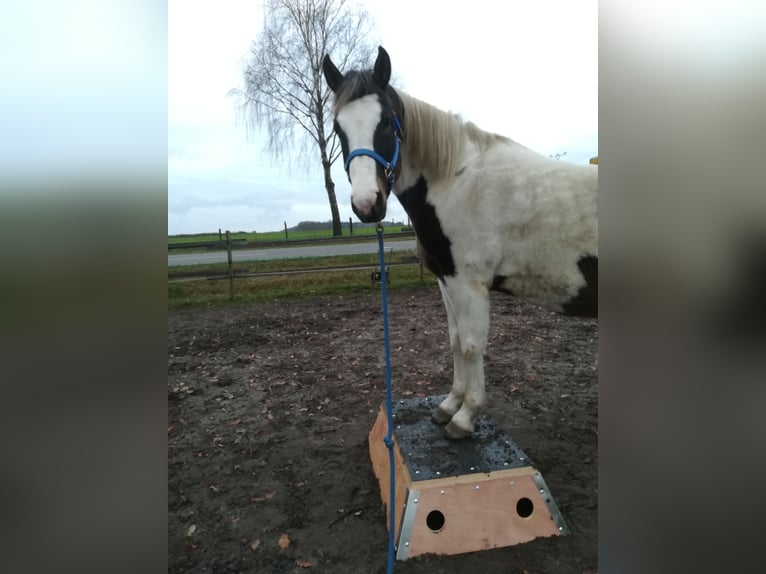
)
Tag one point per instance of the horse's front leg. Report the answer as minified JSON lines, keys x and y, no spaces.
{"x":468,"y":303}
{"x":449,"y":406}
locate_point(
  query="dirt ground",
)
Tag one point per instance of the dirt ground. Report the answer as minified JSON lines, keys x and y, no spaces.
{"x":270,"y":405}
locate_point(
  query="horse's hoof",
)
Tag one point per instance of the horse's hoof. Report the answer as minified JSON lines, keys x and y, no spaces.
{"x":454,"y":432}
{"x":440,"y":417}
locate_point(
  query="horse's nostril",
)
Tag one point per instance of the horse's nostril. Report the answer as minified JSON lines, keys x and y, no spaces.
{"x":368,"y":203}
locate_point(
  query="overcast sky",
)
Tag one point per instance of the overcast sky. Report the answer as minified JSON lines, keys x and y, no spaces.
{"x":528,"y":70}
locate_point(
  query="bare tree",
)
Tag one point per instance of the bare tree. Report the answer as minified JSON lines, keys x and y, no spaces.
{"x":284,"y":85}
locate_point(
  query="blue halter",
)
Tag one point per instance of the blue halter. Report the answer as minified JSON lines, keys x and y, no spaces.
{"x":389,"y":167}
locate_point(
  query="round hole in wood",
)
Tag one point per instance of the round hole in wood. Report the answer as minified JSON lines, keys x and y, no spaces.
{"x":435,"y":521}
{"x":524,"y":507}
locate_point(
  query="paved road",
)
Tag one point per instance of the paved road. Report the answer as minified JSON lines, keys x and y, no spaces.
{"x":287,"y":252}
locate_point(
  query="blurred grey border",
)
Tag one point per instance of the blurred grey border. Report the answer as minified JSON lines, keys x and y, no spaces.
{"x":83,"y":330}
{"x":682,"y":217}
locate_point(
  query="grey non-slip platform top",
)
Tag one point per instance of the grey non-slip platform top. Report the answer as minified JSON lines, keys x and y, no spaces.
{"x":430,"y":455}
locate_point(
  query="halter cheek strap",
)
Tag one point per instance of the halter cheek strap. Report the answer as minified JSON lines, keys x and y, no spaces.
{"x":389,"y":167}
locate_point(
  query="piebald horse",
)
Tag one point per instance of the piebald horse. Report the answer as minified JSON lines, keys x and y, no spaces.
{"x":488,"y":213}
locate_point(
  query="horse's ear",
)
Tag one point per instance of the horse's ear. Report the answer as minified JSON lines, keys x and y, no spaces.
{"x":331,"y":73}
{"x":382,"y":71}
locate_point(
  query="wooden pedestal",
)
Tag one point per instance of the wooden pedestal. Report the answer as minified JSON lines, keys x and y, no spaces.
{"x":454,"y":497}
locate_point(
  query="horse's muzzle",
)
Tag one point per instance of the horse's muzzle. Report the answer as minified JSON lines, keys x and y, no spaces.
{"x":372,"y":213}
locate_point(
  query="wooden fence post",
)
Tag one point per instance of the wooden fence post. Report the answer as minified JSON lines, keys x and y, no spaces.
{"x":285,"y":229}
{"x":231,"y":268}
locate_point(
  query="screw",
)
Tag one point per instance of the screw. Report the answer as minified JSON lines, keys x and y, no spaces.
{"x":505,"y":464}
{"x":561,"y":528}
{"x":415,"y":501}
{"x":472,"y":468}
{"x":407,"y":544}
{"x":477,"y":487}
{"x":438,"y":473}
{"x":513,"y":482}
{"x":441,"y":492}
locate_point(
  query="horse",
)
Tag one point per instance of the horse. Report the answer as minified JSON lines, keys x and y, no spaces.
{"x":489,"y":215}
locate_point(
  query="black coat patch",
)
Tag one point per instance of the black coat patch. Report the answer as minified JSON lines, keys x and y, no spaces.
{"x":343,"y":139}
{"x":497,"y":285}
{"x":585,"y":303}
{"x":435,"y":244}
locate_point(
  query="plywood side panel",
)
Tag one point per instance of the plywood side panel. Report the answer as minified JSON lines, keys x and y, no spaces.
{"x":381,"y":467}
{"x":479,"y":515}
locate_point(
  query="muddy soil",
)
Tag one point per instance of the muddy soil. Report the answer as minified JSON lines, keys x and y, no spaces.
{"x":270,"y":405}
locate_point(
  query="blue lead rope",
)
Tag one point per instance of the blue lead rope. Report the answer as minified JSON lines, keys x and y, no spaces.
{"x":388,"y":439}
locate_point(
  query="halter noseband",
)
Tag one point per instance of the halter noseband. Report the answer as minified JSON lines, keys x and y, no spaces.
{"x":389,"y":167}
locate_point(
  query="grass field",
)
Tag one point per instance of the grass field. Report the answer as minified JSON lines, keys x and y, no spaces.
{"x":280,"y":235}
{"x":184,"y":293}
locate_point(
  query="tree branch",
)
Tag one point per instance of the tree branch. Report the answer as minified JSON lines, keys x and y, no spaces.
{"x":284,"y":88}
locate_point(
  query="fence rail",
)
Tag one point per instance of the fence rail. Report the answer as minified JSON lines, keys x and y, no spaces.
{"x":231,"y":275}
{"x":368,"y":267}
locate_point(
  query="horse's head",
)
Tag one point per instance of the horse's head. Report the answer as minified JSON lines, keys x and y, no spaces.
{"x":369,"y":130}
